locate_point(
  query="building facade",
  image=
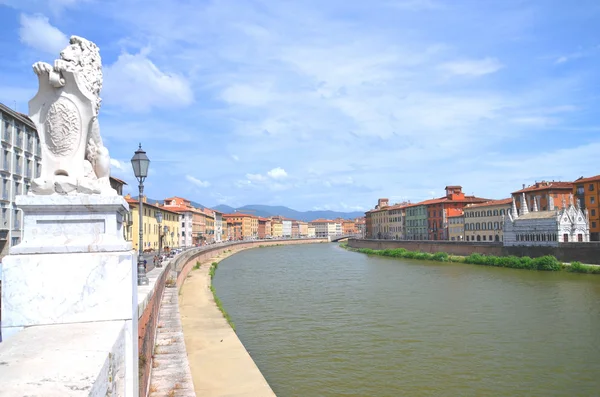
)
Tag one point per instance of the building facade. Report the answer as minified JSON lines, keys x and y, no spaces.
{"x":262,"y":228}
{"x":324,"y":228}
{"x":439,"y":209}
{"x":540,"y":193}
{"x":276,"y":228}
{"x":397,"y":221}
{"x":456,"y":227}
{"x":244,"y":226}
{"x":569,"y":223}
{"x":587,"y":196}
{"x":153,"y":231}
{"x":21,"y":162}
{"x":416,"y":222}
{"x":311,"y":231}
{"x":485,"y":222}
{"x":302,"y":229}
{"x":286,"y":229}
{"x":218,"y":226}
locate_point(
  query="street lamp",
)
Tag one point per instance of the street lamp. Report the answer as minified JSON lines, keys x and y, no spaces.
{"x":140,"y":163}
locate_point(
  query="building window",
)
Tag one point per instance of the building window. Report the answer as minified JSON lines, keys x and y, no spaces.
{"x":594,"y":224}
{"x":580,"y":190}
{"x":592,"y":200}
{"x":593,"y":212}
{"x":591,"y":187}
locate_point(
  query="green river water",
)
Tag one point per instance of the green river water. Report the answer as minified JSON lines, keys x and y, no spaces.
{"x":322,"y":321}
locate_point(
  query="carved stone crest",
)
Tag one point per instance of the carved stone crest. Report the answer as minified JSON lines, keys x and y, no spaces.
{"x":62,"y":127}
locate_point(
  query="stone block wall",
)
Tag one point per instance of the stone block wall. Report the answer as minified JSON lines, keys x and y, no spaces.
{"x":588,"y":253}
{"x":147,"y":323}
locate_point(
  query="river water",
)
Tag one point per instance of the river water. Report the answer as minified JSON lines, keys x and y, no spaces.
{"x":322,"y":321}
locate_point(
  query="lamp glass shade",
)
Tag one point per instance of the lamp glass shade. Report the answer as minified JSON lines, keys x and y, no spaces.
{"x":165,"y":229}
{"x":140,"y":163}
{"x":159,"y":216}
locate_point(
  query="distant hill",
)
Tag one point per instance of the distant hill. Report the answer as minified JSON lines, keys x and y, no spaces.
{"x":270,"y":210}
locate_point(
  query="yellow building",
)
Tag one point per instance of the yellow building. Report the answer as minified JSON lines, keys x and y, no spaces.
{"x":311,"y":232}
{"x":276,"y":229}
{"x":152,"y":231}
{"x":245,"y":226}
{"x":456,"y":227}
{"x":484,"y":222}
{"x":209,"y":231}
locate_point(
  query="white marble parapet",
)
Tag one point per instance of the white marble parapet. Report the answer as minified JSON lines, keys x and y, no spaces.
{"x":65,"y":360}
{"x":71,"y":224}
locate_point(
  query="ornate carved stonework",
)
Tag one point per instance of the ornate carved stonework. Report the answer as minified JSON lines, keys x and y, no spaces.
{"x":62,"y":127}
{"x":65,"y":112}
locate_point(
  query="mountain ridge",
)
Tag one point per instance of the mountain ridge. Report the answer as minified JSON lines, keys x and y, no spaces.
{"x":273,"y":210}
{"x":267,"y":211}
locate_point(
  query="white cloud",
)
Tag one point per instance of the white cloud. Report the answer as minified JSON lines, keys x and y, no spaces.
{"x":196,"y":181}
{"x":36,"y":32}
{"x":473,"y":67}
{"x":235,"y":157}
{"x":256,"y":177}
{"x":117,"y":164}
{"x":135,"y":82}
{"x":277,"y":173}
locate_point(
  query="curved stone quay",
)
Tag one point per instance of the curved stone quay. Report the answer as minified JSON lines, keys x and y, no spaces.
{"x":196,"y":351}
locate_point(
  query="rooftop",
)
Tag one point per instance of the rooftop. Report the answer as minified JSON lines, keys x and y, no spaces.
{"x":588,"y":179}
{"x":491,"y":203}
{"x":537,"y":215}
{"x":545,"y":185}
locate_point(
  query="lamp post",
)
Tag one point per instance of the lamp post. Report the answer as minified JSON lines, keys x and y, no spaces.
{"x":140,"y":163}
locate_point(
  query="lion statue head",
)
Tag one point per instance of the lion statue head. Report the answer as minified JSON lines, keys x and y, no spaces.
{"x":83,"y":56}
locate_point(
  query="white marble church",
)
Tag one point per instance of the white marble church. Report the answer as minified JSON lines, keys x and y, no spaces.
{"x":547,"y":228}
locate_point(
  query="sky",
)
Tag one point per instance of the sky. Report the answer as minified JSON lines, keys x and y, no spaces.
{"x":331,"y":104}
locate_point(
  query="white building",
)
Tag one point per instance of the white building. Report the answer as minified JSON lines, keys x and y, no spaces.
{"x":21,"y":162}
{"x":324,"y":228}
{"x":547,"y":228}
{"x":286,"y":227}
{"x":311,"y":232}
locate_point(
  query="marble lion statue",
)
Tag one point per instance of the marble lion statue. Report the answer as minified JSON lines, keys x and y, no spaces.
{"x":80,"y":58}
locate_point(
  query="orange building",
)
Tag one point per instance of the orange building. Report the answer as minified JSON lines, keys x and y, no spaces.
{"x":587,"y":195}
{"x":262,"y":227}
{"x":540,"y":193}
{"x":349,"y":227}
{"x":245,"y":227}
{"x":439,"y":209}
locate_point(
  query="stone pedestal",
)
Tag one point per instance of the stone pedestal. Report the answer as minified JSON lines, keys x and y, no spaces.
{"x":73,"y":267}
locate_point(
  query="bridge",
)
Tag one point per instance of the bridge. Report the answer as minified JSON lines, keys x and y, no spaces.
{"x":333,"y":239}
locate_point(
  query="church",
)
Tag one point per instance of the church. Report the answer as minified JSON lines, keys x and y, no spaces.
{"x":546,"y":228}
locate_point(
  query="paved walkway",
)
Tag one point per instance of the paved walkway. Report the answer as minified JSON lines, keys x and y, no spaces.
{"x":219,"y":362}
{"x":170,"y":369}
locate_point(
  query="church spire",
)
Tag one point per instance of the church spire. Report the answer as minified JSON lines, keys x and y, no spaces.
{"x":535,"y":206}
{"x":571,"y":200}
{"x":550,"y":202}
{"x":515,"y":214}
{"x":524,"y":209}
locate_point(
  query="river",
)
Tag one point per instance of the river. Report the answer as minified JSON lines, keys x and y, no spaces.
{"x":322,"y":321}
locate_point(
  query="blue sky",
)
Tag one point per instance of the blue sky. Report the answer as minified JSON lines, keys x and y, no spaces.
{"x":330,"y":104}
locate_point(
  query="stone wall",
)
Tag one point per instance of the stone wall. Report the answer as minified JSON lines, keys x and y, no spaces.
{"x":148,"y":309}
{"x":566,"y":252}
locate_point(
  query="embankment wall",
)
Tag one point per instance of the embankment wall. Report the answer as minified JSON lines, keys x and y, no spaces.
{"x":566,"y":252}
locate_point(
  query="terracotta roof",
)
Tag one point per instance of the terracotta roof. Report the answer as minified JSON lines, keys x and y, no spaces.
{"x":589,"y":179}
{"x":539,"y":186}
{"x":455,"y":215}
{"x":453,"y":187}
{"x":321,"y":220}
{"x":240,"y":215}
{"x":135,"y":202}
{"x":491,"y":203}
{"x":122,"y":182}
{"x":537,"y":215}
{"x":453,"y":211}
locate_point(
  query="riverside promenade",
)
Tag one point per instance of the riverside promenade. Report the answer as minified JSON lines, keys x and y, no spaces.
{"x":196,"y":352}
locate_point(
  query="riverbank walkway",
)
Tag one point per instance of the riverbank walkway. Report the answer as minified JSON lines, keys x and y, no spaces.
{"x":219,"y":362}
